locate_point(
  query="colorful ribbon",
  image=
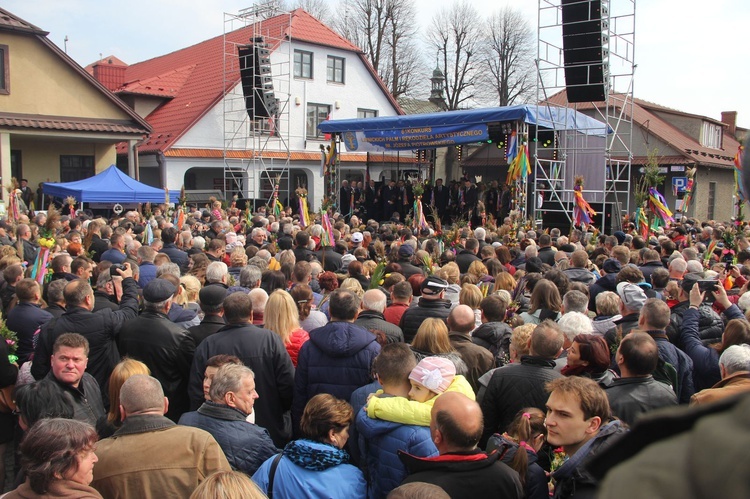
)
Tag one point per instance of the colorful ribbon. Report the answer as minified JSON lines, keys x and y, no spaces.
{"x":583,"y":213}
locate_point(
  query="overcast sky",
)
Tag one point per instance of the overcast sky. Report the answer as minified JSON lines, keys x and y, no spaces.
{"x":691,"y":54}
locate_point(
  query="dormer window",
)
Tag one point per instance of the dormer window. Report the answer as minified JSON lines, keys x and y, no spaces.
{"x":711,"y":135}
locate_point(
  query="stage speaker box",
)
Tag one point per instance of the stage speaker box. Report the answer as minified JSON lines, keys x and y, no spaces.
{"x":584,"y":55}
{"x":257,"y":85}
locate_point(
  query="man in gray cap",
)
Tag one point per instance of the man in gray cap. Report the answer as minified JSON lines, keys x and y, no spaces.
{"x":632,"y":299}
{"x":431,"y":304}
{"x":162,"y":345}
{"x":211,"y":300}
{"x":405,"y":255}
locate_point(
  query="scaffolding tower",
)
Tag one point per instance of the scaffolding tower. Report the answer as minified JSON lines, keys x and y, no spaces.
{"x":604,"y":162}
{"x":256,"y":105}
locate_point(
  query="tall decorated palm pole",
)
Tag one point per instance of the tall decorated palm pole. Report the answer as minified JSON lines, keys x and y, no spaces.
{"x":651,"y":207}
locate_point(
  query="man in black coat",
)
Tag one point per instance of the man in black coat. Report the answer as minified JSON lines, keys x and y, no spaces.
{"x":372,"y":202}
{"x":432,"y":303}
{"x":162,"y":345}
{"x":462,"y":470}
{"x":440,"y":198}
{"x":405,"y":255}
{"x":371,"y":316}
{"x":100,"y":328}
{"x":516,"y":386}
{"x":390,"y":200}
{"x":262,"y":351}
{"x":212,"y":304}
{"x":467,"y":256}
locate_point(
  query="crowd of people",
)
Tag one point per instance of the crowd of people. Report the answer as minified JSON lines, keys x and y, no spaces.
{"x":220,"y":354}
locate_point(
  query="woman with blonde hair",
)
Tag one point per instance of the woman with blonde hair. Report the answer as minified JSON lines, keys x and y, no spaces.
{"x":237,"y":260}
{"x":432,"y":340}
{"x":227,"y":485}
{"x":126,"y":368}
{"x":472,"y":296}
{"x":282,"y":317}
{"x":192,"y":287}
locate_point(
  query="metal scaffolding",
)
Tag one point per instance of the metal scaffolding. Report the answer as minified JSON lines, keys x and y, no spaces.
{"x":256,"y":149}
{"x":605,"y":163}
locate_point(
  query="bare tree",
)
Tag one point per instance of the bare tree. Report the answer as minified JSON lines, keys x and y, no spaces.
{"x":456,"y":33}
{"x":509,"y":57}
{"x":320,"y":9}
{"x":385,"y":30}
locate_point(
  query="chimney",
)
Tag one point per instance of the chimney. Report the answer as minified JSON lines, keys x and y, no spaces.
{"x":109,"y":74}
{"x":730,"y":118}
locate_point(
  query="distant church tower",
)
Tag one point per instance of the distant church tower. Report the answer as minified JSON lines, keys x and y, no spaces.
{"x":436,"y":95}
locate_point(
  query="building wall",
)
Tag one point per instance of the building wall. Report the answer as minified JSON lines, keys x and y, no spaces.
{"x":724,"y":208}
{"x":359,"y":91}
{"x":40,"y":157}
{"x":42,"y":83}
{"x":690,"y":126}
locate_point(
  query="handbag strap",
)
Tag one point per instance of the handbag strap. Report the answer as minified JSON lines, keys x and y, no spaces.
{"x":272,"y":474}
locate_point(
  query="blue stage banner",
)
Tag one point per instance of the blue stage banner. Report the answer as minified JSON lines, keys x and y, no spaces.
{"x":426,"y":137}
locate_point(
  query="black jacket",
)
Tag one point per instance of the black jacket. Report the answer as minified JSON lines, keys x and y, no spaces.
{"x":512,"y":388}
{"x":408,"y":269}
{"x":415,"y":316}
{"x":648,"y":268}
{"x":631,"y":397}
{"x":209,"y":325}
{"x":710,"y":325}
{"x":536,"y":483}
{"x":606,"y":283}
{"x":372,"y":321}
{"x":262,"y":351}
{"x":469,"y":475}
{"x":100,"y":329}
{"x":97,"y":248}
{"x":332,"y":262}
{"x":167,"y":351}
{"x":104,"y":301}
{"x":464,"y":259}
{"x":56,"y":310}
{"x":547,"y":255}
{"x":87,"y":400}
{"x":495,"y":337}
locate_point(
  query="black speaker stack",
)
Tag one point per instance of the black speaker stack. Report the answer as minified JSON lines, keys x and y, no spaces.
{"x":257,"y":85}
{"x":586,"y":72}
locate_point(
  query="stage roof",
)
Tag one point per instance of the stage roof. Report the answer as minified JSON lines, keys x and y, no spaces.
{"x":432,"y":130}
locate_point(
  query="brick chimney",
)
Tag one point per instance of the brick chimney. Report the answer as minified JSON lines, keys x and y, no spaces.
{"x":730,"y":118}
{"x":111,"y":74}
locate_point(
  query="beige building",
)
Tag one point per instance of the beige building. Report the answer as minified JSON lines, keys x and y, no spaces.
{"x":57,"y":123}
{"x":682,"y":141}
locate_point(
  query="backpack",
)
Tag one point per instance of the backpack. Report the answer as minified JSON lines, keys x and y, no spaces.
{"x":667,"y":374}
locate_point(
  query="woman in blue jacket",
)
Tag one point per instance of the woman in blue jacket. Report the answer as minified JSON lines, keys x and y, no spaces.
{"x":315,"y":466}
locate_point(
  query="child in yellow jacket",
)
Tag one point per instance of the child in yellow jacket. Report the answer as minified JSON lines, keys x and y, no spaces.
{"x":432,"y":377}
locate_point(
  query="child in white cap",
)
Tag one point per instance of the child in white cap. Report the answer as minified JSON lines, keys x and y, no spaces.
{"x":432,"y":377}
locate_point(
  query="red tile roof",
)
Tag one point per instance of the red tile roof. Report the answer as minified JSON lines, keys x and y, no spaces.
{"x":65,"y":123}
{"x":110,"y":60}
{"x":165,"y":85}
{"x":204,"y":86}
{"x":690,"y":148}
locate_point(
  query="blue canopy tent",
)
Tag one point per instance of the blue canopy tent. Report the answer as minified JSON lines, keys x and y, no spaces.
{"x":109,"y":186}
{"x":426,"y":131}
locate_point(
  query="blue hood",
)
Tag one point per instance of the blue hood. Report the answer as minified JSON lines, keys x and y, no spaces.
{"x":341,"y":339}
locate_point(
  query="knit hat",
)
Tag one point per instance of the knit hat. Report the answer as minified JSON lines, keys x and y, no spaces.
{"x":434,"y":373}
{"x":620,"y":235}
{"x":611,"y":266}
{"x":405,"y":251}
{"x":632,"y":296}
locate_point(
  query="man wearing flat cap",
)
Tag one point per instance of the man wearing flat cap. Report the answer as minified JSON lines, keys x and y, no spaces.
{"x":432,"y":303}
{"x":405,"y":255}
{"x":162,"y":345}
{"x":211,"y":299}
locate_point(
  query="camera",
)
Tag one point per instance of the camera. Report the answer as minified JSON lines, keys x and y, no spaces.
{"x":706,"y":285}
{"x":114,"y":268}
